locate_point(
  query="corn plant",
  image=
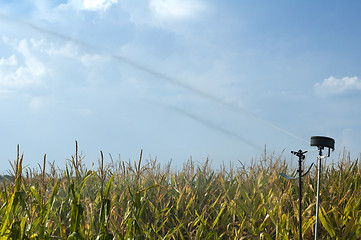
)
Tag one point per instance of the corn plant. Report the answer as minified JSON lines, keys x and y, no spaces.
{"x":144,"y":200}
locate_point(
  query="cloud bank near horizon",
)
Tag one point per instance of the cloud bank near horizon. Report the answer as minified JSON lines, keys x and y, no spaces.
{"x":337,"y":86}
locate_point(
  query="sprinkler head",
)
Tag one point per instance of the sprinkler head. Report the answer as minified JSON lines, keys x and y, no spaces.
{"x":322,"y":142}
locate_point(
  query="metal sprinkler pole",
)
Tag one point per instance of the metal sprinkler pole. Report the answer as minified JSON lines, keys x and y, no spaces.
{"x":320,"y":142}
{"x":318,"y":189}
{"x":300,"y":157}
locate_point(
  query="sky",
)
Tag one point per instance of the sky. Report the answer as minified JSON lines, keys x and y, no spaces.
{"x":178,"y":79}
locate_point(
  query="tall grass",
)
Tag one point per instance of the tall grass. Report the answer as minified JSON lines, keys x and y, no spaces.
{"x":137,"y":200}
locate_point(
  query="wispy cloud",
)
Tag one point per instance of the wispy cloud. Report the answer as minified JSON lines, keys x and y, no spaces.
{"x":175,"y":9}
{"x":170,"y":15}
{"x":41,"y":68}
{"x":337,"y":86}
{"x":98,"y":4}
{"x":68,"y":49}
{"x":92,"y":5}
{"x":171,"y":80}
{"x":15,"y":73}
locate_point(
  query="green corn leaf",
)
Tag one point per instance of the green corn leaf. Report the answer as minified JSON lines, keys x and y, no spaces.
{"x":36,"y":194}
{"x":326,"y":223}
{"x":49,"y":204}
{"x":107,"y":188}
{"x":200,"y":218}
{"x":219,"y":215}
{"x":6,"y":216}
{"x":83,"y":183}
{"x":263,"y":224}
{"x":306,"y":225}
{"x":147,"y":188}
{"x":75,"y":236}
{"x":211,"y":235}
{"x":22,"y":227}
{"x":350,"y":229}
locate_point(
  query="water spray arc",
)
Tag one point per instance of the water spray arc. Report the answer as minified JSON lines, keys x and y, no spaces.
{"x":150,"y":71}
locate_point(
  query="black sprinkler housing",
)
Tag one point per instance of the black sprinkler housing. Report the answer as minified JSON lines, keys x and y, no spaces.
{"x":322,"y":142}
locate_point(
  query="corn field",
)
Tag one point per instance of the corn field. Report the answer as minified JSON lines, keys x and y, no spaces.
{"x":143,"y":200}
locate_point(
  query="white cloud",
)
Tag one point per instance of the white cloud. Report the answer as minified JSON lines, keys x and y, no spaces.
{"x":90,"y":60}
{"x":33,"y":61}
{"x":16,"y":74}
{"x":98,"y":4}
{"x":35,"y":67}
{"x":11,"y":61}
{"x":175,"y":9}
{"x":66,"y":50}
{"x":337,"y":86}
{"x":171,"y":15}
{"x":92,"y":5}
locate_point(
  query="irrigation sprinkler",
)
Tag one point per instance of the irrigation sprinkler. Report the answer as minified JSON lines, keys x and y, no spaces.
{"x":320,"y":142}
{"x":301,"y":156}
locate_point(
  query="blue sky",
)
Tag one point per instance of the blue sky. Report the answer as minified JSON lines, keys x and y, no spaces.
{"x":178,"y":79}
